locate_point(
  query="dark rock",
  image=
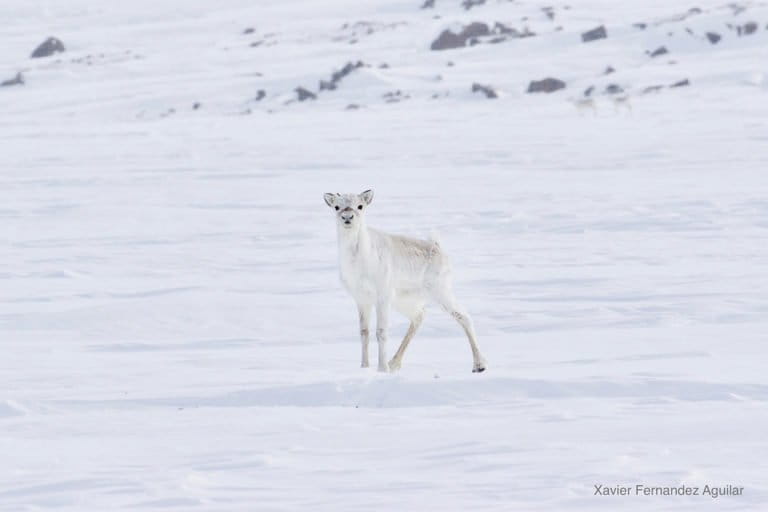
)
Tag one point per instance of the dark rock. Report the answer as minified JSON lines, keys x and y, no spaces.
{"x":749,"y":28}
{"x":260,"y":95}
{"x":338,"y":76}
{"x":498,"y":39}
{"x":614,"y":89}
{"x":249,"y":30}
{"x":500,"y":28}
{"x":489,"y":92}
{"x":475,"y":29}
{"x":641,"y":26}
{"x":589,"y":90}
{"x":196,"y":105}
{"x":652,"y":88}
{"x":450,"y":64}
{"x":303,"y":94}
{"x":17,"y":80}
{"x":428,"y":4}
{"x":736,"y":8}
{"x":549,"y":11}
{"x":383,"y":65}
{"x":594,"y":34}
{"x":546,"y":85}
{"x":681,"y":83}
{"x":48,"y":47}
{"x":689,"y":30}
{"x":256,"y":44}
{"x":395,"y":96}
{"x":713,"y":37}
{"x":352,"y":106}
{"x":448,"y":40}
{"x":609,"y":70}
{"x":661,"y":50}
{"x":468,"y":4}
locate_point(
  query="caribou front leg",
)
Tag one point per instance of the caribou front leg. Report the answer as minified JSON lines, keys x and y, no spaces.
{"x":364,"y":312}
{"x":382,"y":318}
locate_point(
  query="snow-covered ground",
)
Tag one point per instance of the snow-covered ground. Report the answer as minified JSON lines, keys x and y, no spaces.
{"x":174,"y":335}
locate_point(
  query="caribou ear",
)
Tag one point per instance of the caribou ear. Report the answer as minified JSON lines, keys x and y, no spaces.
{"x":330,"y":199}
{"x":367,"y":196}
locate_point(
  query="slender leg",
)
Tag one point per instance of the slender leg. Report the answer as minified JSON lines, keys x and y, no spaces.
{"x":382,"y":317}
{"x":448,"y":302}
{"x":364,"y":311}
{"x":397,"y":360}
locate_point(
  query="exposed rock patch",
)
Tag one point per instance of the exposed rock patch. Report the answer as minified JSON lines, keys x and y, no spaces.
{"x":303,"y":94}
{"x":395,"y":96}
{"x":468,"y":4}
{"x":661,"y":50}
{"x":17,"y":80}
{"x":547,"y":85}
{"x":338,"y":76}
{"x":747,"y":29}
{"x":489,"y":91}
{"x":713,"y":37}
{"x":681,"y":83}
{"x":48,"y":47}
{"x":652,"y":88}
{"x":448,"y":40}
{"x":594,"y":34}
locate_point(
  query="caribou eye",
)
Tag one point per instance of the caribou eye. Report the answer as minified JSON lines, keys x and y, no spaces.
{"x":337,"y":208}
{"x":360,"y":207}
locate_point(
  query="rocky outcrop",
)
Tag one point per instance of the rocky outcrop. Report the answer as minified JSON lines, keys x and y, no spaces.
{"x":48,"y":47}
{"x":661,"y":50}
{"x":682,"y":83}
{"x":468,"y":4}
{"x":594,"y":34}
{"x":303,"y":94}
{"x":17,"y":80}
{"x":546,"y":85}
{"x":747,"y":29}
{"x":489,"y":91}
{"x":713,"y":37}
{"x":338,"y":76}
{"x":448,"y":40}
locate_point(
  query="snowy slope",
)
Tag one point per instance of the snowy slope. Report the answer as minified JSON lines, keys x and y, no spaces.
{"x":174,"y":333}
